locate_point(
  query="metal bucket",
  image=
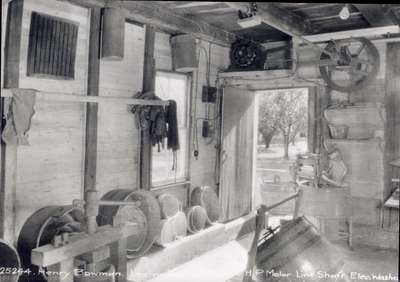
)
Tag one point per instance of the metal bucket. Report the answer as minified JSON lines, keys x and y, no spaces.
{"x":298,"y":250}
{"x":9,"y":260}
{"x":38,"y":230}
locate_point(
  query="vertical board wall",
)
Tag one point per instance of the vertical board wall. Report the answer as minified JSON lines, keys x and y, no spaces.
{"x":202,"y":169}
{"x":118,"y":139}
{"x":49,"y":170}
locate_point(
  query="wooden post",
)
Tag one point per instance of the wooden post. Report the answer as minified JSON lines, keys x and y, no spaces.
{"x":61,"y":272}
{"x":9,"y":152}
{"x":91,"y":114}
{"x":118,"y":258}
{"x":149,"y":74}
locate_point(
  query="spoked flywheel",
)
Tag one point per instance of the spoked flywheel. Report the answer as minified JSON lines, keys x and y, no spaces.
{"x":349,"y":64}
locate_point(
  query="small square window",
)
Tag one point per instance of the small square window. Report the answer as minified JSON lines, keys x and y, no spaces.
{"x":52,"y":47}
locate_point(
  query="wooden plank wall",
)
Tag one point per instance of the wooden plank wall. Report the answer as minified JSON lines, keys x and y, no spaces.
{"x":51,"y":168}
{"x":202,"y":169}
{"x":367,"y":162}
{"x":118,"y":146}
{"x":393,"y":110}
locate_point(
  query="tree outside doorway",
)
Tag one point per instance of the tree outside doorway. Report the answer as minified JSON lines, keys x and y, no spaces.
{"x":282,"y":128}
{"x":283,"y":113}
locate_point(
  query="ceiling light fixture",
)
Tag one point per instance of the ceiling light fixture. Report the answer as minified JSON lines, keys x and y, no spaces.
{"x":345,"y":12}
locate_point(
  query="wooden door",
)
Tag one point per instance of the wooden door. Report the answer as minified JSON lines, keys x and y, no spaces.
{"x":237,"y":154}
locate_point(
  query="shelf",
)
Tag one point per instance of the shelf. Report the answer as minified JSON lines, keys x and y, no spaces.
{"x":261,"y":74}
{"x":357,"y":141}
{"x":361,"y":115}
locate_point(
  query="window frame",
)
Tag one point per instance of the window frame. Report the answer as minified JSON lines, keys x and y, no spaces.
{"x":155,"y":185}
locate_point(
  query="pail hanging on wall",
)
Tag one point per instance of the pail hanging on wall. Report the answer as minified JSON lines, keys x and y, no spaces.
{"x":184,"y":58}
{"x":113,"y":34}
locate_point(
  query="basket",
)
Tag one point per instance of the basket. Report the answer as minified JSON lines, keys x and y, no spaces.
{"x":338,"y":131}
{"x":207,"y":198}
{"x":196,"y":219}
{"x":169,"y":205}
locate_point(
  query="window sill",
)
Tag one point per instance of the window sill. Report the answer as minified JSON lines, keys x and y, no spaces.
{"x":171,"y":185}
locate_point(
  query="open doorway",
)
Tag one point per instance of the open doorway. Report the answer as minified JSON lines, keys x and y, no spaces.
{"x":282,"y":135}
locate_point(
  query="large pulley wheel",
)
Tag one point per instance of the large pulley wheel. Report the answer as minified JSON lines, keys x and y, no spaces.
{"x":40,"y":228}
{"x":349,"y":64}
{"x":246,"y":54}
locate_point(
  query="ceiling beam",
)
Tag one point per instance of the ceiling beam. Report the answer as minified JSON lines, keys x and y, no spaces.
{"x":147,"y":12}
{"x":365,"y":32}
{"x":281,"y":19}
{"x":375,"y":14}
{"x":193,"y":4}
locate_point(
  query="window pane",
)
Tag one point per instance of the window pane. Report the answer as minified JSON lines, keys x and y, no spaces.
{"x":172,"y":86}
{"x":162,"y":163}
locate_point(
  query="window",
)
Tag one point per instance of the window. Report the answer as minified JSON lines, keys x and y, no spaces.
{"x":173,"y":86}
{"x":52,"y":47}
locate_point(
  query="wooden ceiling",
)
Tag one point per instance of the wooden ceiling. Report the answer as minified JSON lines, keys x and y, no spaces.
{"x":321,"y":17}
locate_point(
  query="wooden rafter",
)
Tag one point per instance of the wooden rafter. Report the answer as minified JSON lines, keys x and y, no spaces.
{"x":151,"y":13}
{"x":279,"y":18}
{"x":375,"y":14}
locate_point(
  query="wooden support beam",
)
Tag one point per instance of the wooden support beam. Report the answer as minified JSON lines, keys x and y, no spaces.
{"x":92,"y":108}
{"x":76,"y":98}
{"x":374,"y":14}
{"x":150,"y":13}
{"x":8,"y":171}
{"x":149,"y":73}
{"x":81,"y":244}
{"x":365,"y":32}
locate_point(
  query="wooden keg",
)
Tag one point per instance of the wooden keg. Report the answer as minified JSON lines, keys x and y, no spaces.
{"x":207,"y":198}
{"x":297,"y":248}
{"x":9,"y":260}
{"x":149,"y":228}
{"x":196,"y":219}
{"x":40,"y":228}
{"x":169,"y":205}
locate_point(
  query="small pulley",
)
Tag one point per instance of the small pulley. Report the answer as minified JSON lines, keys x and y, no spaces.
{"x":349,"y":64}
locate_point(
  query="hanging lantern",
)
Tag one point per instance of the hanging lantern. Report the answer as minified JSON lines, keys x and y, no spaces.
{"x":113,"y":37}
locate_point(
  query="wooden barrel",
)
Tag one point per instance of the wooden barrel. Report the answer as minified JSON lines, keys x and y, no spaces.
{"x":129,"y":214}
{"x":297,"y":248}
{"x":9,"y":259}
{"x":207,"y":198}
{"x":196,"y":219}
{"x":40,"y":228}
{"x":149,"y":207}
{"x":169,"y":205}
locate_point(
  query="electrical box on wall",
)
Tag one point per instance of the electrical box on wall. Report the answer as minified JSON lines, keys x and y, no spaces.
{"x":209,"y":94}
{"x":207,"y":129}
